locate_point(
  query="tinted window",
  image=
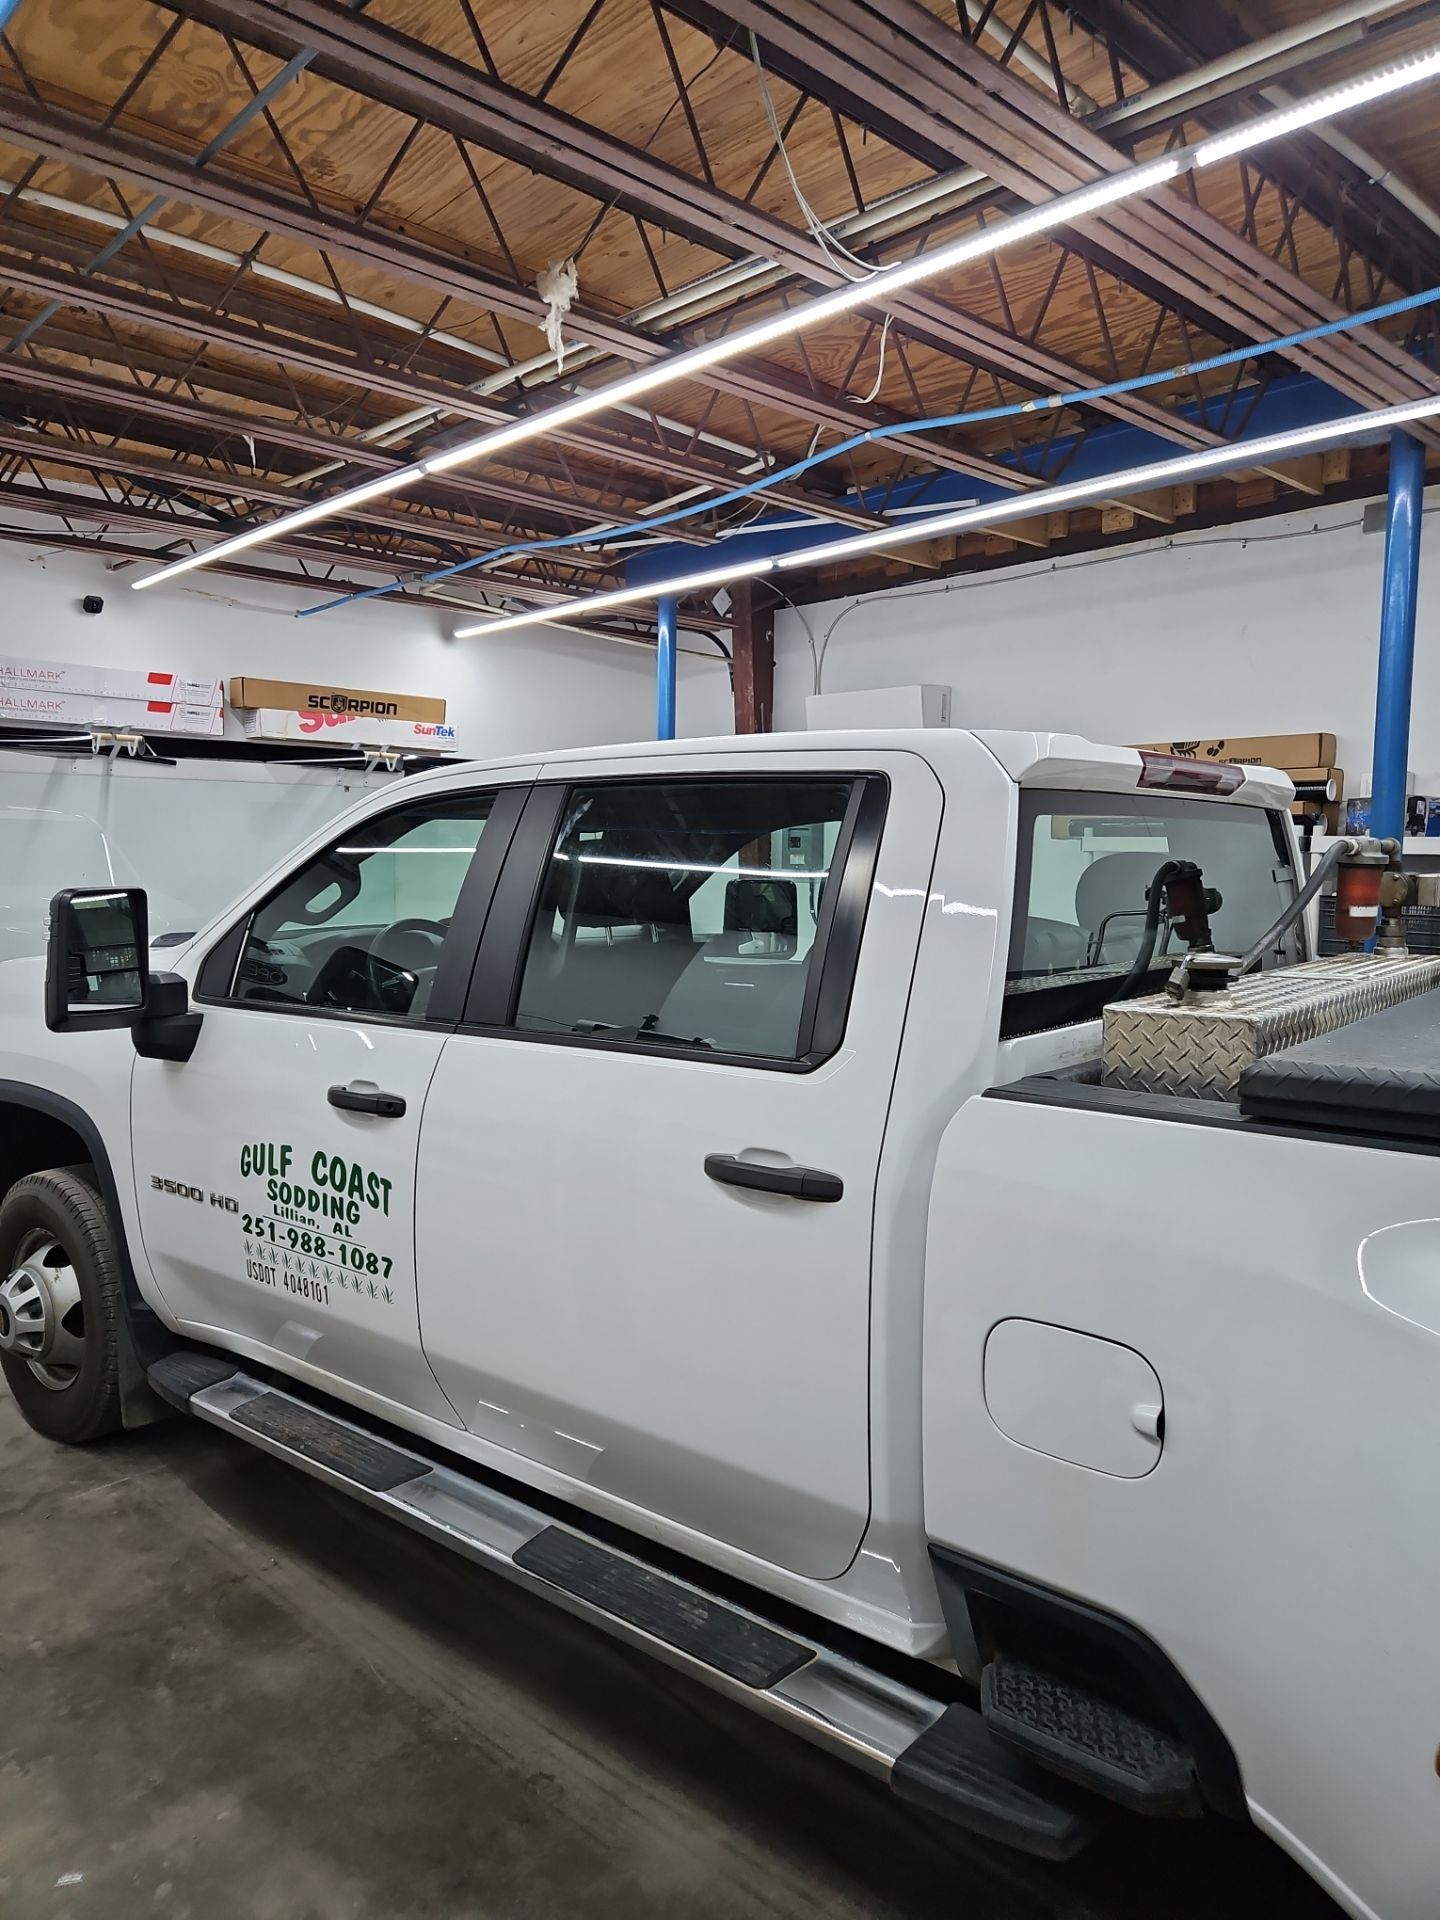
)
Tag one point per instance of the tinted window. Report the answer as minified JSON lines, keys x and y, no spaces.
{"x":1086,"y":864}
{"x":359,"y":928}
{"x":684,"y":913}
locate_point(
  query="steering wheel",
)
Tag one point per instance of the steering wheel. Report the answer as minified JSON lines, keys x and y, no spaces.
{"x":434,"y":929}
{"x":384,"y":973}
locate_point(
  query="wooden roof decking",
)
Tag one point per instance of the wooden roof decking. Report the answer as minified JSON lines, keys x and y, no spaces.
{"x":433,"y":157}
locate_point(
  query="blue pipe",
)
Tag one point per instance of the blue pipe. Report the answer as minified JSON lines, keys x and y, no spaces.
{"x":1404,"y":506}
{"x":591,"y":535}
{"x":7,"y":9}
{"x":666,"y":659}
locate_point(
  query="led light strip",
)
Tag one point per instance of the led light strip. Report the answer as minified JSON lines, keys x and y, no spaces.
{"x":696,"y":866}
{"x":857,"y":293}
{"x":1076,"y":493}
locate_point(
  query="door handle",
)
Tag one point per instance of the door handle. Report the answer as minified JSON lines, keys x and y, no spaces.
{"x":800,"y":1183}
{"x":389,"y":1106}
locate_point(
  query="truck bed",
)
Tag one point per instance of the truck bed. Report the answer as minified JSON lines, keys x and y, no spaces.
{"x":1373,"y":1083}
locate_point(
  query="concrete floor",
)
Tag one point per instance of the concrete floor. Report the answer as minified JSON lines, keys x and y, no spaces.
{"x":226,"y":1694}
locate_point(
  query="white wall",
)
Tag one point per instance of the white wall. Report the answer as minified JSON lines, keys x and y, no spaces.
{"x":196,"y":834}
{"x":1269,"y":627}
{"x":517,"y":693}
{"x":193,"y":835}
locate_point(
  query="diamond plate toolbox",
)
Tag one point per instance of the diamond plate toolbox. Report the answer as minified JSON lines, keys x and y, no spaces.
{"x":1200,"y":1046}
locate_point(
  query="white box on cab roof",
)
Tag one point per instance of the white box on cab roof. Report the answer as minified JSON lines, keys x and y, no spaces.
{"x":918,"y":706}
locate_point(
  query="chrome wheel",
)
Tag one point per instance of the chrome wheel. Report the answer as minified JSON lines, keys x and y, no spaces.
{"x":42,"y":1317}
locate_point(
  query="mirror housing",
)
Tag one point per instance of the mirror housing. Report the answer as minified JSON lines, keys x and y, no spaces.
{"x":97,"y":959}
{"x":168,"y":1030}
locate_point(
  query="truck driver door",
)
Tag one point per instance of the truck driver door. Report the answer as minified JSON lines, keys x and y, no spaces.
{"x":275,"y":1169}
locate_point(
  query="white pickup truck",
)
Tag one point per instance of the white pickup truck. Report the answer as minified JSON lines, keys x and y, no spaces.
{"x":683,"y":1180}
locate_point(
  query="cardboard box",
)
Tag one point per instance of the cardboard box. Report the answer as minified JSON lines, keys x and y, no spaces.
{"x":1313,"y":776}
{"x":1282,"y":750}
{"x":352,"y":731}
{"x":297,"y":696}
{"x":73,"y":712}
{"x":1331,"y":813}
{"x":110,"y":683}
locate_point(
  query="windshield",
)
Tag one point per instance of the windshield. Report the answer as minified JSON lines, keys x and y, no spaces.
{"x":1086,"y":861}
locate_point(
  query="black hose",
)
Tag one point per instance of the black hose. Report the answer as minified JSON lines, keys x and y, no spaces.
{"x":1337,"y":851}
{"x":1140,"y":966}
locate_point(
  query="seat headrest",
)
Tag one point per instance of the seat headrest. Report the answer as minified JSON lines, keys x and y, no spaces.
{"x":626,"y":896}
{"x":761,"y":906}
{"x":1115,"y":883}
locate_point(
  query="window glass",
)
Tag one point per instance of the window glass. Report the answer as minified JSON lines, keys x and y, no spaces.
{"x":684,"y":913}
{"x":359,"y":928}
{"x":1086,"y":864}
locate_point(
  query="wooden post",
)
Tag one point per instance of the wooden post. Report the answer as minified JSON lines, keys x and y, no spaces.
{"x":752,"y":640}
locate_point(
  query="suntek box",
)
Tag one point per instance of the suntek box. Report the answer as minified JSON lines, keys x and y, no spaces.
{"x":1282,"y":750}
{"x":110,"y":683}
{"x":355,"y":731}
{"x":360,"y":703}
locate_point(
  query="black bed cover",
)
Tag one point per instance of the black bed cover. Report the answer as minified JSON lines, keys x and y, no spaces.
{"x":1378,"y":1075}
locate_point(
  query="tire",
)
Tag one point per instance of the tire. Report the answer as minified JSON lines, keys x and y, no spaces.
{"x":57,"y":1222}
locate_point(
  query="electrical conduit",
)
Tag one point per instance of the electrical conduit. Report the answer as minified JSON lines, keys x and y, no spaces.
{"x":597,"y":535}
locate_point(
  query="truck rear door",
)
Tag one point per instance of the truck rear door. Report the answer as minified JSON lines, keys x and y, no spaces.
{"x":648,"y":1159}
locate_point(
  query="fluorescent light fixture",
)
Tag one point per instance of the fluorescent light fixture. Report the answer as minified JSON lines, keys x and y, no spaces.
{"x":1321,"y":106}
{"x":697,"y":866}
{"x":695,"y":360}
{"x":1184,"y":466}
{"x":1061,"y":211}
{"x":1240,"y":453}
{"x":324,"y":509}
{"x":623,"y":597}
{"x":855,"y":293}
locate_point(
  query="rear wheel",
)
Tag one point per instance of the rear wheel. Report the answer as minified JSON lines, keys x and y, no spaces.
{"x":61,"y":1319}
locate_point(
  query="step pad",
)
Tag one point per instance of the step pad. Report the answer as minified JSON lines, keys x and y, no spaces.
{"x":178,"y":1376}
{"x":959,"y":1770}
{"x":682,"y":1616}
{"x":1076,"y":1733}
{"x":368,"y":1462}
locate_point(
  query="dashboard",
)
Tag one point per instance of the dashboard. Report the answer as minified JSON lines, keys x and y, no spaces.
{"x":376,"y":969}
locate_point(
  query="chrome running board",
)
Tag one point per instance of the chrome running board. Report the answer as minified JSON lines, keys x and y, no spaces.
{"x":937,"y":1754}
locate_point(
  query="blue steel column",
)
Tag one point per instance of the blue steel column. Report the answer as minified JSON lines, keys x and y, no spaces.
{"x":1403,"y":509}
{"x":666,"y":642}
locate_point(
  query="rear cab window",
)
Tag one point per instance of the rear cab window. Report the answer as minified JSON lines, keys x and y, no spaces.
{"x":1084,"y":868}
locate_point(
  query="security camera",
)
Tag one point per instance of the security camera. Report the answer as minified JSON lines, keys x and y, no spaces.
{"x":92,"y":603}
